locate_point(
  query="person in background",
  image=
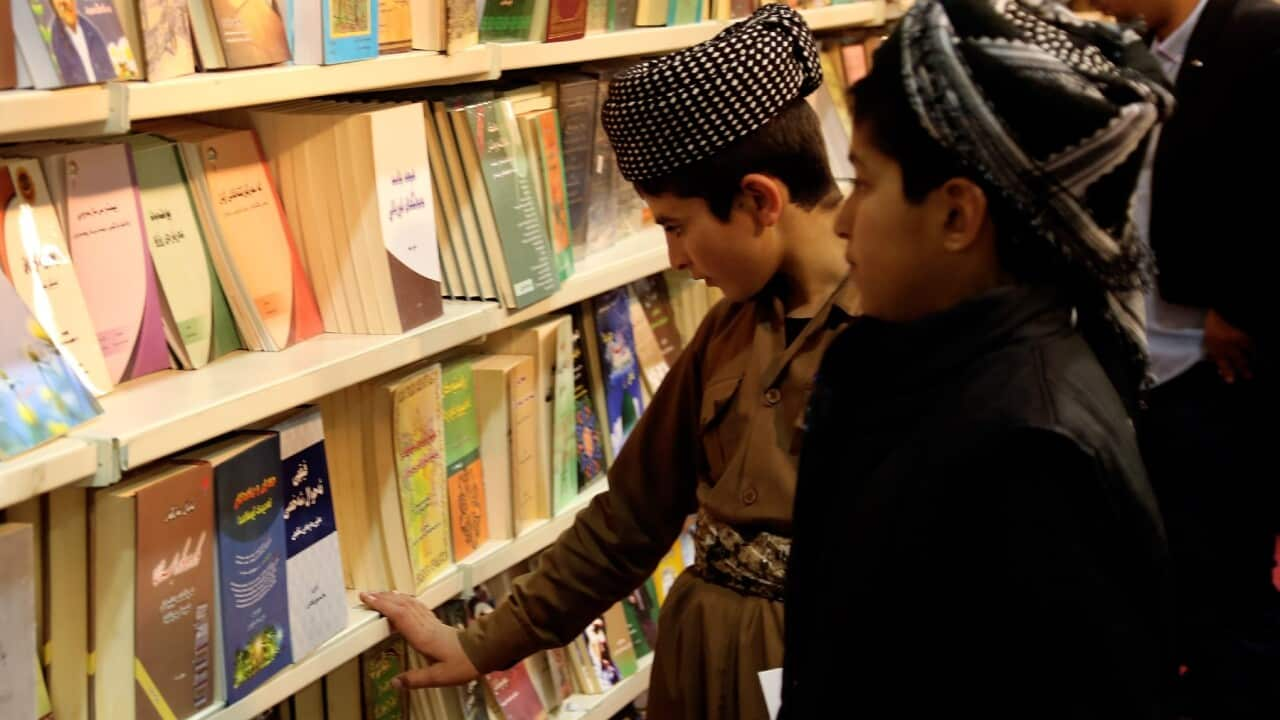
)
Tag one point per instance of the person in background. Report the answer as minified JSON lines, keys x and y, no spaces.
{"x":730,"y":158}
{"x":971,"y":480}
{"x":1208,"y":215}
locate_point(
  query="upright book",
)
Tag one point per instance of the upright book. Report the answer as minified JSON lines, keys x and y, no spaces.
{"x":253,"y":602}
{"x":18,"y":669}
{"x":251,"y":32}
{"x":468,"y":513}
{"x":508,"y":408}
{"x":615,"y":365}
{"x":72,"y":42}
{"x":379,"y":665}
{"x":586,"y":417}
{"x":153,"y":600}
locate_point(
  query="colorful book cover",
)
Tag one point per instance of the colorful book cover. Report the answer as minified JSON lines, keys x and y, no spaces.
{"x":462,"y":22}
{"x":507,"y":20}
{"x":576,"y":104}
{"x":166,"y":37}
{"x":252,"y":33}
{"x":684,"y":12}
{"x":622,"y":15}
{"x":395,"y":26}
{"x":253,"y":229}
{"x":408,"y":222}
{"x":18,"y":622}
{"x":41,"y":397}
{"x":380,"y":665}
{"x":525,"y":245}
{"x":419,"y":433}
{"x":653,"y":364}
{"x":669,"y":568}
{"x":468,"y":514}
{"x":564,"y":455}
{"x":552,"y":175}
{"x":566,"y":20}
{"x":513,"y":689}
{"x":471,"y":695}
{"x":252,"y":566}
{"x":193,"y":296}
{"x":600,"y":655}
{"x":655,"y":300}
{"x":35,"y":257}
{"x":642,"y":618}
{"x":317,"y":596}
{"x":587,"y":427}
{"x":109,"y":250}
{"x":621,"y":650}
{"x":350,"y":30}
{"x":174,"y":595}
{"x":65,"y":25}
{"x":624,"y":398}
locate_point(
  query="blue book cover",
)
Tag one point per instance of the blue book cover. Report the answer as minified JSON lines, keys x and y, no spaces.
{"x":586,"y":419}
{"x":350,"y":30}
{"x":252,"y":562}
{"x":317,"y":595}
{"x":618,"y":365}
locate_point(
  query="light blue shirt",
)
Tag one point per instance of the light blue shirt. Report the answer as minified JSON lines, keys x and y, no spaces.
{"x":1175,"y":333}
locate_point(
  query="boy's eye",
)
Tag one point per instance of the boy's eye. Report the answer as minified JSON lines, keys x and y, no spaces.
{"x":671,"y":229}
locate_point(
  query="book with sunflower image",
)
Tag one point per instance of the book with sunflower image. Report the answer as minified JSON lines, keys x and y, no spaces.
{"x":41,"y":397}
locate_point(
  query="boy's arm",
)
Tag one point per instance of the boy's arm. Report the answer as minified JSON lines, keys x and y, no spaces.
{"x":615,"y":542}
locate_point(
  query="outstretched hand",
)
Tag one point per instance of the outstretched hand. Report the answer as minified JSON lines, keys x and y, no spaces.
{"x":449,"y":664}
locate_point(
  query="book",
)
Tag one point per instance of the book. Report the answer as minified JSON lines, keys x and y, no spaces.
{"x":513,"y":689}
{"x":655,"y":300}
{"x":566,"y":20}
{"x":18,"y":669}
{"x":317,"y":597}
{"x":251,"y":33}
{"x":653,"y":363}
{"x":622,"y":15}
{"x":197,"y":318}
{"x":153,"y":599}
{"x":252,"y":575}
{"x":621,"y":650}
{"x":508,"y":409}
{"x":379,"y":665}
{"x":618,"y":367}
{"x":471,"y":695}
{"x":462,"y":25}
{"x":166,"y":39}
{"x":350,"y":30}
{"x":586,"y":416}
{"x":47,"y":33}
{"x":541,"y":132}
{"x":576,"y":104}
{"x":8,"y":49}
{"x":507,"y":21}
{"x":604,"y":670}
{"x":109,"y":250}
{"x":35,"y":257}
{"x":640,"y":607}
{"x":467,"y":510}
{"x":395,"y":26}
{"x":41,"y":397}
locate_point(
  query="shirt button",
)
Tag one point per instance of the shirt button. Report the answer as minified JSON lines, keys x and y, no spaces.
{"x":749,"y":496}
{"x":772,"y":396}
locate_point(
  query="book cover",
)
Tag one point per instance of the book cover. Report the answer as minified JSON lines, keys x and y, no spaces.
{"x":512,"y":689}
{"x":174,"y":595}
{"x":566,"y":20}
{"x":408,"y":222}
{"x":66,"y":24}
{"x":41,"y":397}
{"x":419,"y":436}
{"x":109,"y":250}
{"x":600,"y":655}
{"x":17,"y":622}
{"x":530,"y":258}
{"x":471,"y":695}
{"x":350,"y":30}
{"x":35,"y":257}
{"x":462,"y":23}
{"x":555,"y":191}
{"x":255,"y":234}
{"x":652,"y":13}
{"x":684,"y":12}
{"x":655,"y":300}
{"x":317,"y":596}
{"x":597,"y":16}
{"x":622,"y":15}
{"x":252,"y":33}
{"x":576,"y":103}
{"x":621,"y":372}
{"x":564,"y":455}
{"x":621,"y":650}
{"x":166,"y":39}
{"x":467,"y":510}
{"x":252,"y":571}
{"x":8,"y":49}
{"x":523,"y":399}
{"x":587,"y":426}
{"x":507,"y":20}
{"x":380,"y":665}
{"x":395,"y":26}
{"x":641,"y":619}
{"x":653,"y":364}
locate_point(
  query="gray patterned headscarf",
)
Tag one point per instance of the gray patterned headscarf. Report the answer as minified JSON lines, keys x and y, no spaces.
{"x":1054,"y":113}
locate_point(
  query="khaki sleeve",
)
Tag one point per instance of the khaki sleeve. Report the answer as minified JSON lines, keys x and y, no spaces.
{"x":616,"y":541}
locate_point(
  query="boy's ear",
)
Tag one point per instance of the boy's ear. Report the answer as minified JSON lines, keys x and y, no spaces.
{"x":764,"y":197}
{"x":964,"y":213}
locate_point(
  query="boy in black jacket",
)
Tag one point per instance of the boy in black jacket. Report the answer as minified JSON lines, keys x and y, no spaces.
{"x":974,"y":531}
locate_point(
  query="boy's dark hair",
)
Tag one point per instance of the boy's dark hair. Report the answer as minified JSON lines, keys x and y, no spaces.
{"x":789,"y":147}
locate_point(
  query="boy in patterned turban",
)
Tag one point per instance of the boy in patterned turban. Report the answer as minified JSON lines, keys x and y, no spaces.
{"x":971,"y":473}
{"x":722,"y":145}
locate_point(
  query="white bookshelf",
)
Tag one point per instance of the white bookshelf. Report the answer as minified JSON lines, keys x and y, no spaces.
{"x":605,"y":705}
{"x":640,"y":41}
{"x":48,"y":467}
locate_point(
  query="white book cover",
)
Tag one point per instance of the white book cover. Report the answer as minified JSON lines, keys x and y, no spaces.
{"x":317,"y":596}
{"x":17,"y":622}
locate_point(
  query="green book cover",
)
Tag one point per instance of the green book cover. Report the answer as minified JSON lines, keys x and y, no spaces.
{"x":530,"y":258}
{"x":171,"y":221}
{"x":379,"y":666}
{"x":564,"y":458}
{"x":467,"y":510}
{"x":507,"y":20}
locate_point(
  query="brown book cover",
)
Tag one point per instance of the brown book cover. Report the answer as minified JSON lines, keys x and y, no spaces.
{"x":656,"y":300}
{"x":252,"y":33}
{"x":576,"y":101}
{"x":8,"y":50}
{"x":174,"y":595}
{"x":395,"y":26}
{"x":567,"y":20}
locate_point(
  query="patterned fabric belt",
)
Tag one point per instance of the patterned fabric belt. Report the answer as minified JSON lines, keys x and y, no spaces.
{"x":752,"y":567}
